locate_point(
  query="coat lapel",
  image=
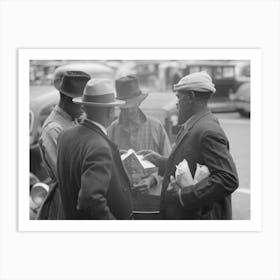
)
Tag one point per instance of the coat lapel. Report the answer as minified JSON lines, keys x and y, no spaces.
{"x":188,"y":127}
{"x":94,"y":127}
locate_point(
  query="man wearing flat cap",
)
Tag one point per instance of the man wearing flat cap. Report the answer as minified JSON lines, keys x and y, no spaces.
{"x":71,"y":84}
{"x":92,"y":179}
{"x":202,"y":141}
{"x":133,"y":129}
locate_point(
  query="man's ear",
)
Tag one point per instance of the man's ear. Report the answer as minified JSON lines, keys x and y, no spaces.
{"x":191,"y":97}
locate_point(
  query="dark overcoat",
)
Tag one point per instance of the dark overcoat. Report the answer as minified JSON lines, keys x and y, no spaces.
{"x":202,"y":141}
{"x":91,"y":177}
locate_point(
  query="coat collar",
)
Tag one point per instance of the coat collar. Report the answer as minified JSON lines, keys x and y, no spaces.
{"x":98,"y":130}
{"x":87,"y":123}
{"x":189,"y":125}
{"x":103,"y":129}
{"x":62,"y":113}
{"x":195,"y":118}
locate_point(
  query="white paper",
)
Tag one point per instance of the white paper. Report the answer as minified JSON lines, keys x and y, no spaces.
{"x":201,"y":173}
{"x":183,"y":174}
{"x":184,"y":177}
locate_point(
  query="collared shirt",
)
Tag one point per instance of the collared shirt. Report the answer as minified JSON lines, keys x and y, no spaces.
{"x":56,"y":122}
{"x":144,"y":133}
{"x":99,"y":125}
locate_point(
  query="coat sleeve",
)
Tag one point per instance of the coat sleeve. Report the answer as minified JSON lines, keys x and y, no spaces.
{"x":95,"y":180}
{"x":165,"y":146}
{"x":48,"y":147}
{"x":223,"y":179}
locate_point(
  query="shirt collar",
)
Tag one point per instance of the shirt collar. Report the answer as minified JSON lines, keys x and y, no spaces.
{"x":103,"y":129}
{"x":62,"y":113}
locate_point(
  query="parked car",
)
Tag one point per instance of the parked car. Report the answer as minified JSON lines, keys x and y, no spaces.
{"x":37,"y":193}
{"x":42,"y":101}
{"x":43,"y":98}
{"x":241,"y":99}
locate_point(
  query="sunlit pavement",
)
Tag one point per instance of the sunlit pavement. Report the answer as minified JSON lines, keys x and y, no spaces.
{"x":238,"y":132}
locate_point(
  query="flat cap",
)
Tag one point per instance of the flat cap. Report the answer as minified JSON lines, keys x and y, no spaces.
{"x":199,"y":81}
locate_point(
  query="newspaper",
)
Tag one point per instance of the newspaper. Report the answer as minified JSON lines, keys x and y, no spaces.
{"x":184,"y":177}
{"x":136,"y":167}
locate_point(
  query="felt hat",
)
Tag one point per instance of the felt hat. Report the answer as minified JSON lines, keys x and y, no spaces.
{"x":73,"y":83}
{"x":99,"y":93}
{"x":127,"y":89}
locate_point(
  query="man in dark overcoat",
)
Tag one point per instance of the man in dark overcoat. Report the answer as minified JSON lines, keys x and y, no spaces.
{"x":92,"y":180}
{"x":201,"y":140}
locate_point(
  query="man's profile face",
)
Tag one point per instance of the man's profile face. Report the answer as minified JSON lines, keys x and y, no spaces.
{"x":184,"y":106}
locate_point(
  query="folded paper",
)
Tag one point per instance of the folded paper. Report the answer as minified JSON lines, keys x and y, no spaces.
{"x":183,"y":174}
{"x":184,"y":177}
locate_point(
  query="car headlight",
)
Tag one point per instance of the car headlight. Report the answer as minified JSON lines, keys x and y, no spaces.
{"x":38,"y":193}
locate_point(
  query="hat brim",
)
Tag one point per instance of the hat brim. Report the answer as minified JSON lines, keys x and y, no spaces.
{"x":71,"y":95}
{"x":79,"y":100}
{"x":134,"y":101}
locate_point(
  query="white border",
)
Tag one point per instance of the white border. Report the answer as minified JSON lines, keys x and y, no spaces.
{"x":254,"y":55}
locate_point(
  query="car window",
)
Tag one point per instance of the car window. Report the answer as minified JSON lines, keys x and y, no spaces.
{"x":218,"y":73}
{"x":228,"y":72}
{"x":194,"y":69}
{"x":207,"y":69}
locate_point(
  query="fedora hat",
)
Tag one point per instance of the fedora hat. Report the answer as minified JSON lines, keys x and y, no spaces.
{"x":73,"y":83}
{"x":127,"y":89}
{"x":99,"y":93}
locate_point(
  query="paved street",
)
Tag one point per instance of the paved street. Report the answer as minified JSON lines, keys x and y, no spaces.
{"x":238,"y":132}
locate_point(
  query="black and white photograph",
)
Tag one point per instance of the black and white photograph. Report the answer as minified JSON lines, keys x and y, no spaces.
{"x":157,"y":149}
{"x":140,"y":139}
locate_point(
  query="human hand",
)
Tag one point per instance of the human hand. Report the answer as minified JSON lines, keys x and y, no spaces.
{"x":151,"y":156}
{"x":122,"y":151}
{"x":173,"y":192}
{"x":145,"y":184}
{"x":173,"y":186}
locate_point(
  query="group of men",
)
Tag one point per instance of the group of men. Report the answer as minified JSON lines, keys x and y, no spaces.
{"x":83,"y":157}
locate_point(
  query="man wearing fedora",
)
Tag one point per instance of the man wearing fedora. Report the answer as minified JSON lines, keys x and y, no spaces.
{"x":71,"y":84}
{"x":201,"y":140}
{"x":92,"y":179}
{"x":133,"y":129}
{"x":62,"y":117}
